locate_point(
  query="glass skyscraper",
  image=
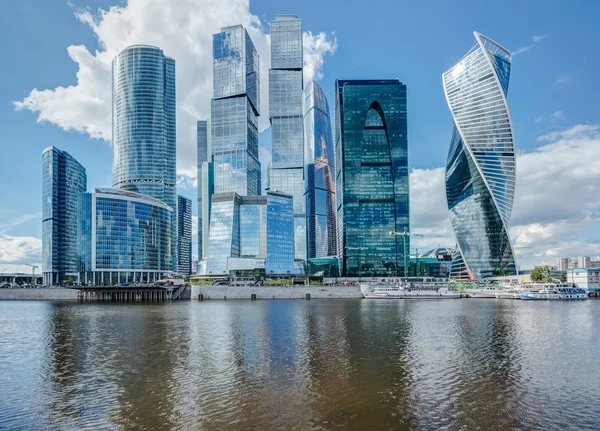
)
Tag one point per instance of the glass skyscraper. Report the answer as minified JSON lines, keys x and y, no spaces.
{"x":371,"y":163}
{"x":280,"y":241}
{"x":319,"y":175}
{"x":143,"y":126}
{"x":184,"y":235}
{"x":480,"y":172}
{"x":202,"y":137}
{"x":234,"y":113}
{"x":63,"y":180}
{"x":124,"y":237}
{"x":286,"y":116}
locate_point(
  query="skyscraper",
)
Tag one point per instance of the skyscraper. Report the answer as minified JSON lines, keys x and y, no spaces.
{"x":63,"y":181}
{"x":319,"y":175}
{"x":202,"y":134}
{"x":143,"y":126}
{"x":480,"y":172}
{"x":184,"y":235}
{"x":371,"y":162}
{"x":234,"y":113}
{"x":208,"y":188}
{"x":286,"y":116}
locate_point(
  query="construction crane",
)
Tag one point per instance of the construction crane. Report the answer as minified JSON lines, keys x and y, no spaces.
{"x":33,"y":268}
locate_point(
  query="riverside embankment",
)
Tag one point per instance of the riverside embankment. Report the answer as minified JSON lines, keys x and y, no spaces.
{"x":275,"y":292}
{"x":208,"y":292}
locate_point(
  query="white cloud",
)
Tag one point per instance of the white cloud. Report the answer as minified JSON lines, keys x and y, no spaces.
{"x":183,"y":29}
{"x":557,"y":203}
{"x":555,"y":116}
{"x":562,"y":80}
{"x":534,"y":40}
{"x":19,"y":249}
{"x":7,"y":226}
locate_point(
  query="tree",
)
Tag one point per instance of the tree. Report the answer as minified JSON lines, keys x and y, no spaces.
{"x":541,"y":273}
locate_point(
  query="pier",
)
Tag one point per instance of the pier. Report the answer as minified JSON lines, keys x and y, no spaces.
{"x":130,"y":294}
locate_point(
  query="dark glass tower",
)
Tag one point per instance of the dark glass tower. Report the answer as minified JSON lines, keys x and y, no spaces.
{"x":371,"y":163}
{"x":184,"y":235}
{"x":202,"y":134}
{"x":481,"y":171}
{"x":63,"y":182}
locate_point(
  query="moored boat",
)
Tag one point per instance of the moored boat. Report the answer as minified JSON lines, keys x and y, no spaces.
{"x":556,"y":292}
{"x":408,"y":291}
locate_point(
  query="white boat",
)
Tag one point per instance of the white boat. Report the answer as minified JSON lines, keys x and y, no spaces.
{"x":554,"y":292}
{"x":407,"y":291}
{"x":496,"y":291}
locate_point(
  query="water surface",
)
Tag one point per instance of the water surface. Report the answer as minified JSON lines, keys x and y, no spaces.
{"x":323,"y":364}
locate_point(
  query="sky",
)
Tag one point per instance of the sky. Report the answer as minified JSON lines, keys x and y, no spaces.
{"x":55,"y":90}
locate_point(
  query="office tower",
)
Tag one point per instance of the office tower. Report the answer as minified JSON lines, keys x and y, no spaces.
{"x":234,"y":113}
{"x":208,"y":188}
{"x":319,"y":171}
{"x":371,"y":162}
{"x":63,"y":180}
{"x":563,"y":264}
{"x":143,"y":126}
{"x":202,"y":135}
{"x":286,"y":117}
{"x":480,"y":172}
{"x":251,"y":233}
{"x":124,"y":237}
{"x":184,"y":235}
{"x":584,"y":262}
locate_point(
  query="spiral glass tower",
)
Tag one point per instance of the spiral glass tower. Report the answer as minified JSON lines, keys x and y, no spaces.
{"x":480,"y":171}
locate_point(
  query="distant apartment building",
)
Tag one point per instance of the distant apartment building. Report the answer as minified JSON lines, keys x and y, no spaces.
{"x":584,"y":262}
{"x":63,"y":181}
{"x":184,"y":235}
{"x":563,"y":264}
{"x":371,"y":162}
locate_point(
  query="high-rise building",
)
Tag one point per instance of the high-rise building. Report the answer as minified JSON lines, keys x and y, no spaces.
{"x":480,"y":172}
{"x":63,"y":180}
{"x":286,"y":117}
{"x":250,"y":233}
{"x":584,"y":262}
{"x":371,"y":162}
{"x":234,"y":113}
{"x":563,"y":264}
{"x":184,"y":235}
{"x":208,"y":188}
{"x":143,"y":126}
{"x":123,"y":237}
{"x":319,"y":176}
{"x":202,"y":137}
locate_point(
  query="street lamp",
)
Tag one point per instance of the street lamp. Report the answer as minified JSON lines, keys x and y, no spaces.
{"x":404,"y":234}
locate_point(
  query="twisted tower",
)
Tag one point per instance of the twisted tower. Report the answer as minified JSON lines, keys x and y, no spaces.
{"x":480,"y":171}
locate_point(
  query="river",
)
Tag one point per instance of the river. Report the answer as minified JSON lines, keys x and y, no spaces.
{"x":292,"y":364}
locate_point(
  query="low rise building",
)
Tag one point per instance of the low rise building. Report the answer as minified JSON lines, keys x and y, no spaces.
{"x":586,"y":278}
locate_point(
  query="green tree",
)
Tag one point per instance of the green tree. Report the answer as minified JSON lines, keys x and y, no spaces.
{"x":540,"y":274}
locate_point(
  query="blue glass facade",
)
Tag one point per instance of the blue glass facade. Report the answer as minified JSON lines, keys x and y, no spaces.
{"x":286,"y":117}
{"x":184,"y":235}
{"x":371,"y":162}
{"x":234,"y":113}
{"x":143,"y":125}
{"x":208,"y":188}
{"x":125,"y":237}
{"x":63,"y":180}
{"x":319,"y":175}
{"x":251,"y":229}
{"x":280,"y":241}
{"x":481,"y":171}
{"x":202,"y":134}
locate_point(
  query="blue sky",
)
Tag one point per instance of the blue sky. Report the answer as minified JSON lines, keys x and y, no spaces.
{"x":552,"y":96}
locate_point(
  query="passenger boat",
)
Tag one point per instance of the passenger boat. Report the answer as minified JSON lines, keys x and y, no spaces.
{"x":556,"y":291}
{"x":507,"y":291}
{"x":407,"y":291}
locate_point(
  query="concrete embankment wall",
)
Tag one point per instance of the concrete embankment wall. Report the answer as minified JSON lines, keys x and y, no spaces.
{"x":275,"y":292}
{"x":39,"y":294}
